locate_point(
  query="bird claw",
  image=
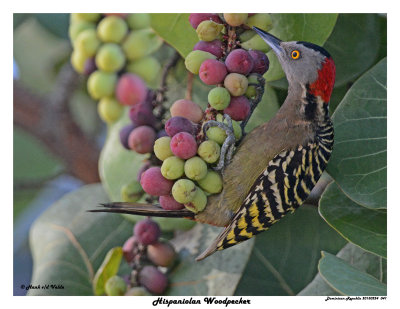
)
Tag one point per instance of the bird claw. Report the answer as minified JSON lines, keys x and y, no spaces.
{"x":228,"y":147}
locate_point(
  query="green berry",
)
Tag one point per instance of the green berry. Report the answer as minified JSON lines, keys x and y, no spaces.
{"x":195,"y":58}
{"x":131,"y":192}
{"x":78,"y":60}
{"x":162,"y":148}
{"x":112,"y":29}
{"x":147,"y":68}
{"x":140,"y":43}
{"x":208,"y":30}
{"x":172,"y":168}
{"x":115,"y":286}
{"x":260,"y":20}
{"x":77,"y":27}
{"x":216,"y":134}
{"x":137,"y":291}
{"x":183,"y":191}
{"x":110,"y":58}
{"x":195,"y":168}
{"x":198,"y":203}
{"x":109,"y":109}
{"x":212,"y":183}
{"x":101,"y":84}
{"x":209,"y":151}
{"x":87,"y":42}
{"x":251,"y":90}
{"x":138,"y":21}
{"x":92,"y":17}
{"x":219,"y":98}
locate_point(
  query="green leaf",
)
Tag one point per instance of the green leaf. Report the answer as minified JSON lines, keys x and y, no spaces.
{"x":284,"y":259}
{"x":57,"y":24}
{"x":356,"y":257}
{"x":176,"y":30}
{"x":362,"y":226}
{"x":314,"y":28}
{"x":358,"y":162}
{"x":68,"y":243}
{"x":265,"y":110}
{"x":118,"y":166}
{"x":353,"y":45}
{"x":218,"y":274}
{"x":108,"y":269}
{"x":347,"y":279}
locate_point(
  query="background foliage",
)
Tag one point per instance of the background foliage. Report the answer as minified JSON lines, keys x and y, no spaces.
{"x":315,"y":251}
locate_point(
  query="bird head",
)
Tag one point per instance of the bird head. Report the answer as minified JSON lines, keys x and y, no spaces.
{"x":304,"y":64}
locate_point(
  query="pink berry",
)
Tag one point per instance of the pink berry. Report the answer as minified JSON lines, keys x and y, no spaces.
{"x":89,"y":67}
{"x":124,"y":135}
{"x":238,"y":108}
{"x":187,"y":109}
{"x":142,"y":139}
{"x":212,"y":47}
{"x":239,"y":61}
{"x":261,"y":61}
{"x":128,"y":248}
{"x":196,"y":18}
{"x":183,"y":145}
{"x":153,"y":279}
{"x":212,"y":72}
{"x":167,"y":202}
{"x":131,"y":89}
{"x":146,"y":231}
{"x":154,"y":183}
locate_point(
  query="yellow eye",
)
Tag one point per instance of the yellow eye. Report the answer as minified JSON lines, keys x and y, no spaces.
{"x":295,"y":54}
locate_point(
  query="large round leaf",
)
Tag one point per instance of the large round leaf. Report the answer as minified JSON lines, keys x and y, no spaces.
{"x":176,"y":30}
{"x":356,"y":257}
{"x":358,"y":162}
{"x":353,"y":45}
{"x":69,"y":244}
{"x":314,"y":28}
{"x":360,"y":225}
{"x":284,"y":259}
{"x":348,"y":280}
{"x":218,"y":274}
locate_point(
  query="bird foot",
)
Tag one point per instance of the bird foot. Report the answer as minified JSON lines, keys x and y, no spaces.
{"x":228,"y":147}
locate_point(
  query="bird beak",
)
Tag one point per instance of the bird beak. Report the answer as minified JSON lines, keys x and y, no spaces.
{"x":271,"y":40}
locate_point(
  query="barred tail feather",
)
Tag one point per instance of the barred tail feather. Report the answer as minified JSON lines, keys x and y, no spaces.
{"x":143,"y":210}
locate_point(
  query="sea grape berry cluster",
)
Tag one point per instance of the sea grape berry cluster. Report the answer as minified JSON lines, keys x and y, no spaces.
{"x":114,"y":51}
{"x":149,"y":257}
{"x":183,"y":175}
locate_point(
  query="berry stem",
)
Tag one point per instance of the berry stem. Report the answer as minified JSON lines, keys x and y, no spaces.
{"x":189,"y":87}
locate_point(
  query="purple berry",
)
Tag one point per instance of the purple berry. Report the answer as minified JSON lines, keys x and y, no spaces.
{"x":212,"y":47}
{"x":178,"y":124}
{"x":153,"y":279}
{"x":238,"y":108}
{"x":142,"y":114}
{"x":196,"y":18}
{"x":167,"y":202}
{"x":261,"y":61}
{"x":124,"y":134}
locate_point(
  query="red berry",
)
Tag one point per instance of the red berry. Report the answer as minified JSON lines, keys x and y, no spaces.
{"x":146,"y":231}
{"x":154,"y":183}
{"x":183,"y":145}
{"x":167,"y":202}
{"x":238,"y":108}
{"x":131,"y":89}
{"x":212,"y":72}
{"x":141,"y":139}
{"x":196,"y":18}
{"x":128,"y":248}
{"x":178,"y":124}
{"x":239,"y":61}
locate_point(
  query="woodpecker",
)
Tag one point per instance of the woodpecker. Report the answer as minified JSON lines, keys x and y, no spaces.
{"x":277,"y":164}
